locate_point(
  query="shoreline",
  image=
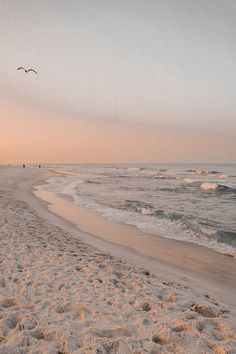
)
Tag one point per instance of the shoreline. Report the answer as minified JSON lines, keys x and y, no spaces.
{"x":60,"y":294}
{"x":186,"y":259}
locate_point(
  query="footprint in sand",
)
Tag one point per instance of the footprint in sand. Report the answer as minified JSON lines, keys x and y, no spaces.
{"x":29,"y":323}
{"x":205,"y":311}
{"x":161,"y":340}
{"x":110,"y":333}
{"x":8,"y":323}
{"x":2,"y":282}
{"x":6,"y":302}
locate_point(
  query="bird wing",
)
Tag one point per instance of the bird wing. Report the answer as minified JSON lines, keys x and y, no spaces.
{"x":20,"y":68}
{"x":32,"y":70}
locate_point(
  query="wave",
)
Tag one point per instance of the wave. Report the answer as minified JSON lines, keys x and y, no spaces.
{"x":148,"y":209}
{"x":226,"y":236}
{"x":135,"y":169}
{"x":189,"y":180}
{"x":198,"y":228}
{"x":160,"y":177}
{"x":164,"y":177}
{"x":177,"y":189}
{"x":93,"y":182}
{"x":218,"y":187}
{"x":203,"y":172}
{"x":138,"y":206}
{"x":207,"y":186}
{"x":173,"y":225}
{"x":63,"y":185}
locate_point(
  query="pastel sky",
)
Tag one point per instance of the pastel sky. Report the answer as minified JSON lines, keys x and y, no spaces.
{"x":119,"y":81}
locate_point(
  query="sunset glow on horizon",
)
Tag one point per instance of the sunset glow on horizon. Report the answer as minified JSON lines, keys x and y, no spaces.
{"x":125,"y":81}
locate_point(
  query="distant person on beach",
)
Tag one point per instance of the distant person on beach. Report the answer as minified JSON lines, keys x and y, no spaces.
{"x":23,"y":165}
{"x":39,"y":166}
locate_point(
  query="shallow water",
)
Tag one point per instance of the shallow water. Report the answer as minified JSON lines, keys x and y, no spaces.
{"x":196,"y":203}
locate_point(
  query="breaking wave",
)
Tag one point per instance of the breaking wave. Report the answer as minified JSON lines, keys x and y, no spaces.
{"x":163,"y":202}
{"x":218,"y":187}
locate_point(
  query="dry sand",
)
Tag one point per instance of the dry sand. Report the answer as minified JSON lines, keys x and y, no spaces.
{"x":59,"y":294}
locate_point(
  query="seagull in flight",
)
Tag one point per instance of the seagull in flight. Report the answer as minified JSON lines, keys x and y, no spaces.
{"x":27,"y":70}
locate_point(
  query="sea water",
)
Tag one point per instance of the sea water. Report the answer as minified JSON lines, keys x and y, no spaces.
{"x":195,"y":203}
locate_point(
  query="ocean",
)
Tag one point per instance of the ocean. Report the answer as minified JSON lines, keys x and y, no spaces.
{"x":195,"y":203}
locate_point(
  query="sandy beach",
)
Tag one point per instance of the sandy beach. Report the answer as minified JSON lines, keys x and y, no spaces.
{"x":65,"y":291}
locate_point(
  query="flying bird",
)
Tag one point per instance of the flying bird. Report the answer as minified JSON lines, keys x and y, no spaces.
{"x":27,"y":71}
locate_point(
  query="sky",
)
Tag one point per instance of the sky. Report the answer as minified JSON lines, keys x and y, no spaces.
{"x":119,"y":81}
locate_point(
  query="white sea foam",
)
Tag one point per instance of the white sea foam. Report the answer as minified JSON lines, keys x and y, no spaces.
{"x":189,"y":180}
{"x":207,"y":186}
{"x":143,"y":211}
